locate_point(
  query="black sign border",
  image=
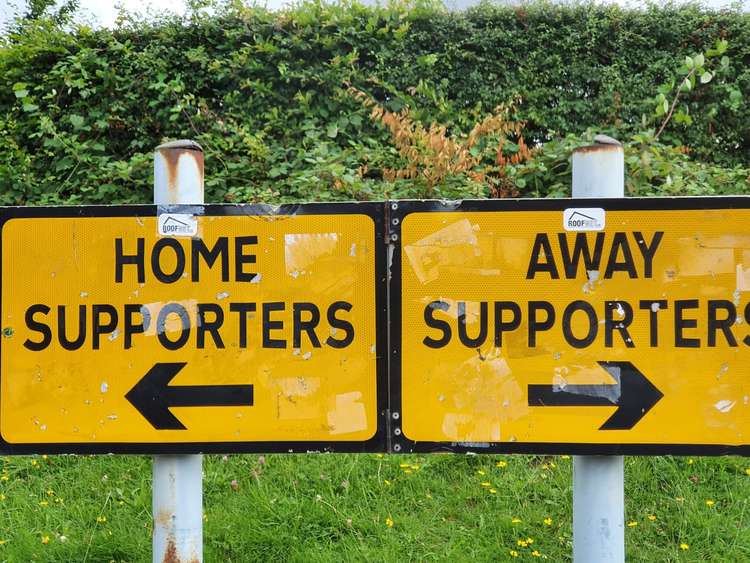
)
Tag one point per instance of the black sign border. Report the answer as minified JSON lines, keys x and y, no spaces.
{"x":374,"y":210}
{"x":397,"y":211}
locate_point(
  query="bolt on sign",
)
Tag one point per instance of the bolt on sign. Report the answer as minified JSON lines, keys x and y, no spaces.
{"x":192,"y":328}
{"x":581,"y":326}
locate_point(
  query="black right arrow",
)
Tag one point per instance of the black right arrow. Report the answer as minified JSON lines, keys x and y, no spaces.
{"x":152,"y":396}
{"x":633,"y":394}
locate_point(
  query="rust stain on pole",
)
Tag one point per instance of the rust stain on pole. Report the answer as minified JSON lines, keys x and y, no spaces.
{"x":172,"y":152}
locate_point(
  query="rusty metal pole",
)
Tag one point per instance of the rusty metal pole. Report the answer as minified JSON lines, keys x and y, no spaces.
{"x":177,"y":500}
{"x":598,"y":481}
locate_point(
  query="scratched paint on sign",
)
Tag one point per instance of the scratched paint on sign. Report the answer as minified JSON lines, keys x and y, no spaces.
{"x":519,"y":328}
{"x":262,"y":328}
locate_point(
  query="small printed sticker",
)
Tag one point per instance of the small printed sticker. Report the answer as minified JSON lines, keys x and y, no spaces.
{"x":177,"y":225}
{"x":583,"y":219}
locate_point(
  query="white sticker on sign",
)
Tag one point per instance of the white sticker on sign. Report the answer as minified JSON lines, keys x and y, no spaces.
{"x":177,"y":225}
{"x":583,"y":219}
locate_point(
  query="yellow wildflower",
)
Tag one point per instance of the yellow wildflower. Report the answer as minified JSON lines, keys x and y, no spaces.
{"x":552,"y":464}
{"x":516,"y":521}
{"x":386,"y":481}
{"x":535,"y":553}
{"x":408,"y":471}
{"x":690,"y":461}
{"x":651,"y":517}
{"x":44,"y":456}
{"x":513,"y":553}
{"x":504,"y":463}
{"x":378,"y":456}
{"x":389,"y":522}
{"x":415,"y":467}
{"x":50,"y":493}
{"x":45,"y":540}
{"x":529,"y":540}
{"x":3,"y":542}
{"x":564,"y":457}
{"x":485,"y":484}
{"x":545,"y":467}
{"x":747,"y":471}
{"x":2,"y":497}
{"x":522,"y":543}
{"x":680,"y":499}
{"x":34,"y":463}
{"x":709,"y":502}
{"x":101,"y":519}
{"x":4,"y":477}
{"x":632,"y":524}
{"x":493,"y":491}
{"x":548,"y":521}
{"x":43,"y":503}
{"x":684,"y":546}
{"x":480,"y":472}
{"x":403,"y":465}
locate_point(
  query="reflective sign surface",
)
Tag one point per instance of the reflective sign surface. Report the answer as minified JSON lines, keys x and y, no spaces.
{"x":609,"y":326}
{"x":246,"y":326}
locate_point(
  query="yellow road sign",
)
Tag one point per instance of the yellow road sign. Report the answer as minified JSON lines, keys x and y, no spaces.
{"x":583,"y":326}
{"x":239,"y":329}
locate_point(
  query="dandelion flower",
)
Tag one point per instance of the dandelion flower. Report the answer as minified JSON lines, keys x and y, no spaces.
{"x":522,"y":543}
{"x":652,"y":517}
{"x":513,"y":553}
{"x":535,"y":553}
{"x":632,"y":524}
{"x":548,"y":521}
{"x":747,"y":471}
{"x":684,"y":546}
{"x":45,"y":540}
{"x":501,"y":464}
{"x":690,"y":461}
{"x":529,"y":540}
{"x":389,"y":522}
{"x":710,"y":502}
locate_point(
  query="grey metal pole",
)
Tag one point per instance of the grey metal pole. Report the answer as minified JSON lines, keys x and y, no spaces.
{"x":598,"y":481}
{"x":177,"y":500}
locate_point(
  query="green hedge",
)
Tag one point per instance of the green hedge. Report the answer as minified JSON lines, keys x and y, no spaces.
{"x":265,"y":93}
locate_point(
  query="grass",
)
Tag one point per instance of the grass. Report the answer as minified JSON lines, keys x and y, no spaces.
{"x":371,"y":508}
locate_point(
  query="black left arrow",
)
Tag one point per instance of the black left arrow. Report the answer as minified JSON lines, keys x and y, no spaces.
{"x":633,"y":395}
{"x":152,"y":396}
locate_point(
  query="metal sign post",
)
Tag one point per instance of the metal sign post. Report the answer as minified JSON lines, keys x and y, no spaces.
{"x":177,"y":501}
{"x":598,"y":481}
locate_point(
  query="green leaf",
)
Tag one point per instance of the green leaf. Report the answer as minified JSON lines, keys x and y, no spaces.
{"x":724,"y":61}
{"x":21,"y":93}
{"x":665,"y":106}
{"x":699,"y":60}
{"x":76,"y":120}
{"x":706,"y":77}
{"x":722,"y":45}
{"x":689,"y":62}
{"x":30,"y":107}
{"x":333,"y":130}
